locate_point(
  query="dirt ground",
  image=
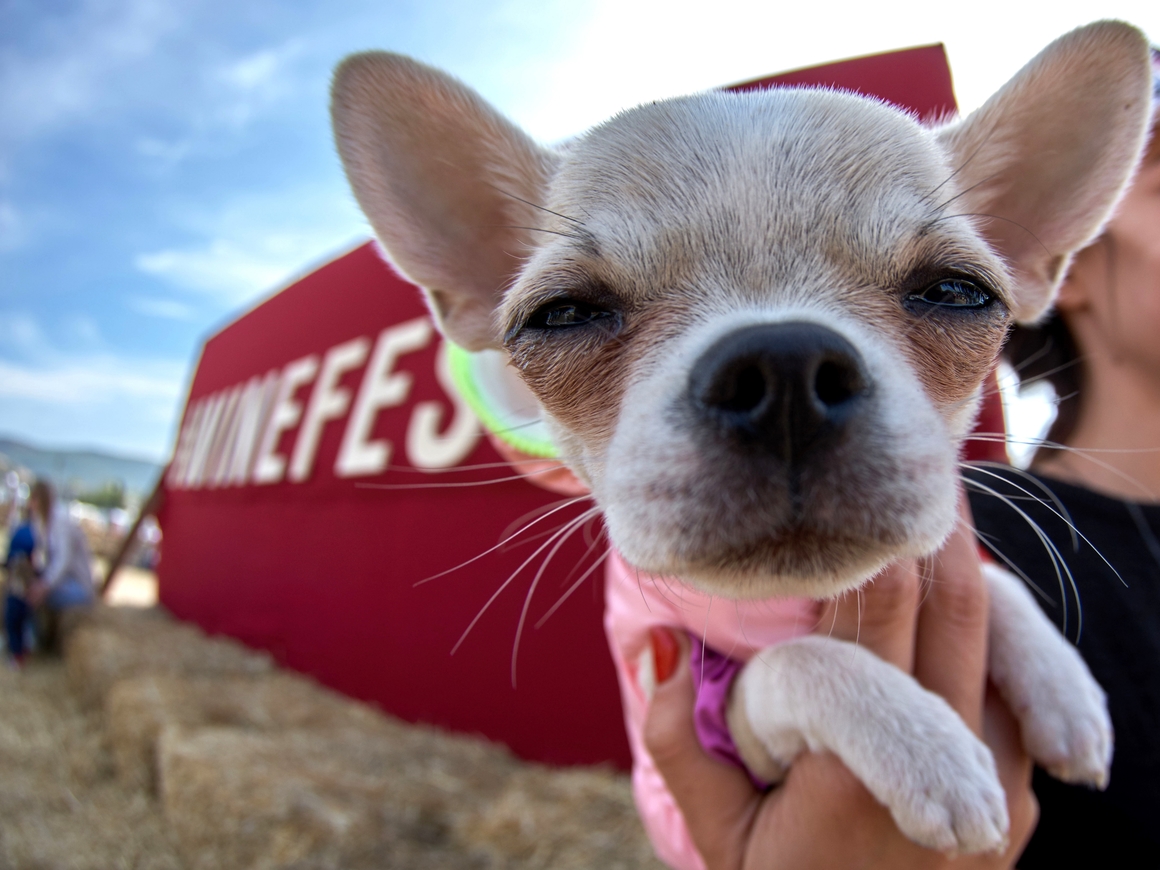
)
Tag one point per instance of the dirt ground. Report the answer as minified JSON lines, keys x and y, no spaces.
{"x":149,"y":745}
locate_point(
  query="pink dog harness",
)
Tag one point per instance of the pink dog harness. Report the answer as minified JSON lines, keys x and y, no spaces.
{"x":732,"y":632}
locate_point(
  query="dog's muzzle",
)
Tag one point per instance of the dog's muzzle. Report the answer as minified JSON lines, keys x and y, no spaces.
{"x":787,"y":390}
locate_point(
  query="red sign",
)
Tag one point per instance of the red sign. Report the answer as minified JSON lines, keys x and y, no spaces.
{"x":325,"y":468}
{"x":277,"y":531}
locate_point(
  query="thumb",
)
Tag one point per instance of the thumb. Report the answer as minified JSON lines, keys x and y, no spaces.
{"x":716,"y":799}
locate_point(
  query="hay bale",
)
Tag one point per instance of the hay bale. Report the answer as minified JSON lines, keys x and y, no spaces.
{"x":303,"y":799}
{"x":564,"y":820}
{"x":409,"y":798}
{"x":138,"y":709}
{"x":256,"y":768}
{"x":110,"y":646}
{"x":60,"y":806}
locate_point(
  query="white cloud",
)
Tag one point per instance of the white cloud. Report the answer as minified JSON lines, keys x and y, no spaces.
{"x":170,"y":309}
{"x":253,"y":72}
{"x":68,"y":78}
{"x":91,"y":380}
{"x":625,"y":52}
{"x":238,"y":272}
{"x":54,"y":393}
{"x":231,"y":271}
{"x":257,"y":243}
{"x":33,"y":366}
{"x":262,"y":70}
{"x":255,"y":82}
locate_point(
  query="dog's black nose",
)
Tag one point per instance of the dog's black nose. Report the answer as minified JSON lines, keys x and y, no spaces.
{"x":782,"y":387}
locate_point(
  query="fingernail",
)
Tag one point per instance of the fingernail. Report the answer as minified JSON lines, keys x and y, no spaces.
{"x":666,"y":652}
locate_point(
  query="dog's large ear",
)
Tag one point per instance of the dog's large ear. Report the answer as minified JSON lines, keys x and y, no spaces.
{"x":445,"y":180}
{"x":1042,"y":164}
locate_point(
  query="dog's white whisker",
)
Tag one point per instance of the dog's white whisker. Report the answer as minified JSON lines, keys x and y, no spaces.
{"x":834,"y":619}
{"x":1060,"y":509}
{"x":705,"y":639}
{"x":531,"y":539}
{"x":925,"y":579}
{"x":591,"y":542}
{"x":987,"y":542}
{"x":1058,"y":562}
{"x":858,"y":621}
{"x":459,"y":484}
{"x":534,"y":205}
{"x":1044,"y":375}
{"x":561,"y":531}
{"x":600,"y":560}
{"x":559,"y":507}
{"x":996,"y":217}
{"x":1076,"y":534}
{"x":452,"y":469}
{"x":526,"y":518}
{"x":565,"y":533}
{"x":995,"y":437}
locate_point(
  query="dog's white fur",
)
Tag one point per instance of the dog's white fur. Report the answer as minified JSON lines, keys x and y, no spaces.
{"x":684,"y":221}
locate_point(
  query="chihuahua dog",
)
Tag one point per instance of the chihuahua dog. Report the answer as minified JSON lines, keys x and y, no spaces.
{"x":758,"y":325}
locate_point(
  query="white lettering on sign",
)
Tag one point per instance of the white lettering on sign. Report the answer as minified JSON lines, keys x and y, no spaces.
{"x":426,"y":447}
{"x":251,"y":416}
{"x":382,"y":387}
{"x":271,"y":465}
{"x":184,"y":445}
{"x":205,"y":432}
{"x":328,"y":401}
{"x":231,"y":437}
{"x":219,"y":455}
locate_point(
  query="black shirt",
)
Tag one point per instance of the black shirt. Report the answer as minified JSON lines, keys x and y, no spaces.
{"x":1120,"y":640}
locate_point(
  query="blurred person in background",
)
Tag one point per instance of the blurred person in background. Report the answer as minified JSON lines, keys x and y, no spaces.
{"x":21,"y":576}
{"x":66,"y":581}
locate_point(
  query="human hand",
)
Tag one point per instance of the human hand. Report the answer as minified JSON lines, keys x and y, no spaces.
{"x":821,"y":816}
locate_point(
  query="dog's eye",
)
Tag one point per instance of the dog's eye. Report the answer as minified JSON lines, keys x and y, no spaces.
{"x":563,"y":313}
{"x":953,"y":293}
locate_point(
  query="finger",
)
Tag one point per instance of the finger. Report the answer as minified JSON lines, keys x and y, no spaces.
{"x":717,"y":800}
{"x":951,"y":641}
{"x":1002,"y":734}
{"x":800,"y":822}
{"x":879,"y":616}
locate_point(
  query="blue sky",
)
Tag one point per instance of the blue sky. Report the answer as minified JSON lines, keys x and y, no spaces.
{"x":164,"y":164}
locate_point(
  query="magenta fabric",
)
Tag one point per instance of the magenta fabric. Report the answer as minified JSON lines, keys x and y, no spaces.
{"x":713,"y":676}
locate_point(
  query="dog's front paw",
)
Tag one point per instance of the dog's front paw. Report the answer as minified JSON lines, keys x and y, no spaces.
{"x":1061,"y":709}
{"x":907,"y":745}
{"x":1065,"y":721}
{"x":942,"y":787}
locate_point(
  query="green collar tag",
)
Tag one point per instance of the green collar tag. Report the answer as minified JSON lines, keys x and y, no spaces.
{"x":500,"y":400}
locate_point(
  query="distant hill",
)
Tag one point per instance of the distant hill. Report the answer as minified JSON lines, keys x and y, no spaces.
{"x":82,"y":470}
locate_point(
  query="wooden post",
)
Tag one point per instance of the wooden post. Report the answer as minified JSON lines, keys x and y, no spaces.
{"x":148,"y":508}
